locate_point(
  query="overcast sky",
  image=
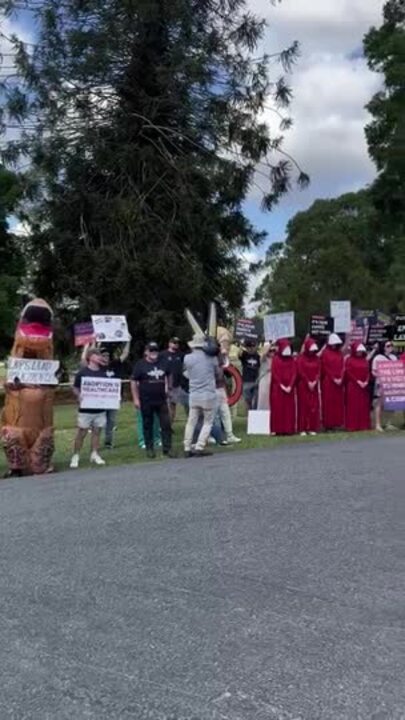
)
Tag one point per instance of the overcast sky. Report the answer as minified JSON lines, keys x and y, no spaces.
{"x":331,"y":85}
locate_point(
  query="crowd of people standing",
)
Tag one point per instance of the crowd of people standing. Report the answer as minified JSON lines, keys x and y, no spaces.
{"x":328,"y":389}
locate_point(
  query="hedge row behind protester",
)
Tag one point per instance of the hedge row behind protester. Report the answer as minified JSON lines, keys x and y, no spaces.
{"x":92,"y":419}
{"x":149,"y":387}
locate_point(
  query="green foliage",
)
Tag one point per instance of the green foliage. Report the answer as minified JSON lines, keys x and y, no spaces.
{"x":142,"y":124}
{"x":11,"y":259}
{"x":332,"y":252}
{"x":385,"y":51}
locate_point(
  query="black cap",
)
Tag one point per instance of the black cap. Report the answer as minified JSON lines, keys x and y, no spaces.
{"x":175,"y":340}
{"x":153,"y":347}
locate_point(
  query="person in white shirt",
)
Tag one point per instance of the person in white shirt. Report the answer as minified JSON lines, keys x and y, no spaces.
{"x":384,"y":353}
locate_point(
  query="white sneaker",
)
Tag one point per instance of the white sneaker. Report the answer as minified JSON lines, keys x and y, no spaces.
{"x":234,"y":439}
{"x":303,"y":434}
{"x":313,"y":434}
{"x":74,"y":463}
{"x":211,"y":441}
{"x":96,"y":459}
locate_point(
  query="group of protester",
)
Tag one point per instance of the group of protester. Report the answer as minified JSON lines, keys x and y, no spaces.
{"x":161,"y":381}
{"x":331,"y":388}
{"x":327,"y":388}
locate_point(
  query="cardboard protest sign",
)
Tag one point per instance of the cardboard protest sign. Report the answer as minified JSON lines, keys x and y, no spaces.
{"x":32,"y":372}
{"x":321,"y":326}
{"x":110,"y":328}
{"x":100,"y":393}
{"x":248,"y":329}
{"x":279,"y":325}
{"x":84,"y":333}
{"x":341,"y":311}
{"x":376,"y":333}
{"x":258,"y":422}
{"x":399,"y":331}
{"x":391,"y":376}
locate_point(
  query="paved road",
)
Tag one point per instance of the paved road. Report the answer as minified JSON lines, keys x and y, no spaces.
{"x":257,"y":586}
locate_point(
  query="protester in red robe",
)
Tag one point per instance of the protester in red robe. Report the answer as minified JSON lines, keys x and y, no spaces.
{"x":332,"y":371}
{"x":357,"y":378}
{"x":309,"y":372}
{"x":282,"y":390}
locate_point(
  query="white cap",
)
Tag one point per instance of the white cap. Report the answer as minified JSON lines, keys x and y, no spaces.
{"x":361,"y":348}
{"x":314,"y":347}
{"x":334,"y":339}
{"x":287,"y":352}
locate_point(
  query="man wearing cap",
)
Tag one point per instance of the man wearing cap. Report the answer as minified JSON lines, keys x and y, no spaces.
{"x":93,"y":419}
{"x":173,"y":357}
{"x":149,"y":387}
{"x":202,"y":371}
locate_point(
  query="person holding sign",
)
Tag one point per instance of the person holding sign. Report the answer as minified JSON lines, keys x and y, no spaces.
{"x":309,"y":373}
{"x":357,"y":378}
{"x":92,"y":418}
{"x":149,"y":387}
{"x":282,"y":391}
{"x":332,"y":376}
{"x":384,"y":353}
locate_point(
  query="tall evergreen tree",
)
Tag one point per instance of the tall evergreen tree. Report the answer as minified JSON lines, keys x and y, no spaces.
{"x":11,"y":259}
{"x":385,"y":51}
{"x":142,"y":121}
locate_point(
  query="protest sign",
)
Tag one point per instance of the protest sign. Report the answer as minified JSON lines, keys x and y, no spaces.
{"x":84,"y":333}
{"x":399,"y":331}
{"x":365,"y":318}
{"x":110,"y":328}
{"x":357,"y":333}
{"x":100,"y":393}
{"x":376,"y":334}
{"x":247,"y":329}
{"x":32,"y":372}
{"x":321,"y":326}
{"x":341,"y":311}
{"x":279,"y":325}
{"x":391,"y":376}
{"x":258,"y":422}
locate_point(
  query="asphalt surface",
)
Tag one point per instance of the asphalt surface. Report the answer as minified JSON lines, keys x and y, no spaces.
{"x":266,"y":585}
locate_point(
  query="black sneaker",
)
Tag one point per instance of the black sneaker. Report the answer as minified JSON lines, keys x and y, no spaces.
{"x":151,"y":454}
{"x":169,"y":454}
{"x":188,"y":454}
{"x":203,"y":453}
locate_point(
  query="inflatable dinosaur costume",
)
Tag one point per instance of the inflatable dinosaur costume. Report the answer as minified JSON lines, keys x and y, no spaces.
{"x":27,"y":419}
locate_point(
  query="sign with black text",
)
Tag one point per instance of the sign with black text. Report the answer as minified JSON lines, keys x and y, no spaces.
{"x":399,"y":331}
{"x":31,"y":371}
{"x":101,"y":393}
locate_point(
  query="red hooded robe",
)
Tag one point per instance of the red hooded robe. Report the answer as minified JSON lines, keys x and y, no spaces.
{"x":282,"y":404}
{"x":357,"y":398}
{"x":309,"y":371}
{"x":333,"y":404}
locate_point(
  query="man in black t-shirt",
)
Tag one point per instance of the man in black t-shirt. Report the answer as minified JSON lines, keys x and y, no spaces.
{"x":173,"y":357}
{"x":250,"y":361}
{"x":115,"y":368}
{"x":93,"y":419}
{"x":149,"y":386}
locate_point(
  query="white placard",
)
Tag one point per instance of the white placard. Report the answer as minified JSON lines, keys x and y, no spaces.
{"x":279,"y":325}
{"x":341,"y":311}
{"x":100,"y":393}
{"x":31,"y":371}
{"x":258,"y":422}
{"x":110,"y":328}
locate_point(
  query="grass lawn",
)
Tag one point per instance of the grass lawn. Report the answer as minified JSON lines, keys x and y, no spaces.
{"x":126,"y":448}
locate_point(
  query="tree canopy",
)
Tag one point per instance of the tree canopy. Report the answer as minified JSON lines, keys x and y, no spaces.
{"x":142,"y":122}
{"x":11,"y":257}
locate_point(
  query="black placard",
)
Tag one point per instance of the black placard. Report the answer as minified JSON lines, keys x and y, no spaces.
{"x":321,"y":326}
{"x":399,"y":330}
{"x":248,"y":329}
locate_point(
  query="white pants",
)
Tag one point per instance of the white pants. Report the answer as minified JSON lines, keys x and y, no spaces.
{"x":208,"y":414}
{"x":224,"y":412}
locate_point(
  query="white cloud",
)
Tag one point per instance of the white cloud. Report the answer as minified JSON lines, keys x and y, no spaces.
{"x":331,"y":86}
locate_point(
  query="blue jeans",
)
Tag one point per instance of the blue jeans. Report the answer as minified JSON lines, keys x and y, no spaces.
{"x":216,"y":431}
